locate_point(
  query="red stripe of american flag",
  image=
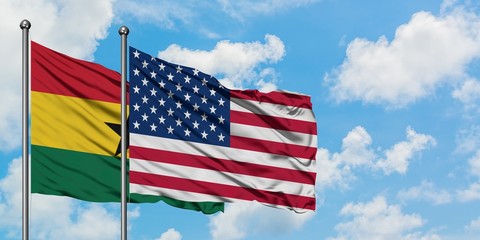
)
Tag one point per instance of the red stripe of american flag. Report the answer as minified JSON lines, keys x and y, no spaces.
{"x":284,"y":149}
{"x":222,"y":190}
{"x":282,"y":98}
{"x":273,"y":122}
{"x":223,"y":165}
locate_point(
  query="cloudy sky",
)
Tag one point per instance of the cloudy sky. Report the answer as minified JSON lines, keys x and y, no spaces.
{"x":395,"y":87}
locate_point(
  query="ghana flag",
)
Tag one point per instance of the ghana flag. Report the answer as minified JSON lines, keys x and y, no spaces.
{"x":75,"y":131}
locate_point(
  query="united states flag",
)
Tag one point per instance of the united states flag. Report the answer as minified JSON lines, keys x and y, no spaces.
{"x":194,"y":140}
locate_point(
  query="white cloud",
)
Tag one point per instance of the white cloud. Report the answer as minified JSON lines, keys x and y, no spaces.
{"x":90,"y":222}
{"x":472,"y":193}
{"x":133,"y":213}
{"x":398,"y":157}
{"x":170,"y":234}
{"x":250,"y":218}
{"x":172,"y":14}
{"x":241,"y":69}
{"x":163,"y":13}
{"x":420,"y":236}
{"x":411,"y":66}
{"x":425,"y":191}
{"x":243,"y":9}
{"x":331,"y":171}
{"x":357,"y":152}
{"x":337,"y":168}
{"x":52,"y":217}
{"x":473,"y":226}
{"x":61,"y":25}
{"x":377,"y":220}
{"x":468,"y":140}
{"x":11,"y":196}
{"x":448,"y":5}
{"x":474,"y":163}
{"x":468,"y":93}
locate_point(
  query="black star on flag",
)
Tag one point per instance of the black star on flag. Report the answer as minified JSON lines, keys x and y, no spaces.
{"x":118,"y":128}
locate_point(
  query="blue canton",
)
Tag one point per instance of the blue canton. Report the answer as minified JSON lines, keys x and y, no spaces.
{"x":178,"y":102}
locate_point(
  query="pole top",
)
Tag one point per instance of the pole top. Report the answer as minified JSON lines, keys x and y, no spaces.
{"x":123,"y":30}
{"x":25,"y":24}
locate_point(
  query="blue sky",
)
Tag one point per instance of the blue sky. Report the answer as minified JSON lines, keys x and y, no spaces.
{"x":395,"y":89}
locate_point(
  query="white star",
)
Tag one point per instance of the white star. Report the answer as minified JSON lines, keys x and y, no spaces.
{"x":136,"y":125}
{"x":221,"y":137}
{"x":136,"y":54}
{"x":179,"y":69}
{"x":196,"y":89}
{"x":196,"y":124}
{"x":153,"y":74}
{"x":179,"y":104}
{"x":145,"y":99}
{"x":187,"y":115}
{"x":204,"y":99}
{"x":144,"y":117}
{"x":212,"y":109}
{"x":136,"y":107}
{"x":170,"y":94}
{"x":170,"y":77}
{"x":187,"y":132}
{"x":204,"y":117}
{"x":195,"y":107}
{"x":170,"y":130}
{"x":187,"y":97}
{"x":221,"y":102}
{"x":136,"y":72}
{"x":153,"y":110}
{"x":212,"y":92}
{"x":152,"y":58}
{"x":221,"y":119}
{"x":162,"y":119}
{"x":153,"y":92}
{"x":212,"y":127}
{"x":161,"y":102}
{"x":153,"y":127}
{"x":204,"y":81}
{"x":144,"y":64}
{"x":162,"y":67}
{"x":204,"y":135}
{"x":179,"y":87}
{"x":179,"y":122}
{"x":144,"y":82}
{"x":136,"y":89}
{"x":170,"y":112}
{"x":161,"y":84}
{"x":187,"y":79}
{"x":195,"y":72}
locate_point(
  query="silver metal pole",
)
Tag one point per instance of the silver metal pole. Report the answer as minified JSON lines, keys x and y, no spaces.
{"x":123,"y":31}
{"x":25,"y":26}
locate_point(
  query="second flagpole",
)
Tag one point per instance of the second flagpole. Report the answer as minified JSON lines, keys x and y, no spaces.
{"x":123,"y":31}
{"x":25,"y":26}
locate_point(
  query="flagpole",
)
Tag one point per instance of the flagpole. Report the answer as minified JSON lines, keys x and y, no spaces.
{"x":25,"y":26}
{"x":123,"y":31}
